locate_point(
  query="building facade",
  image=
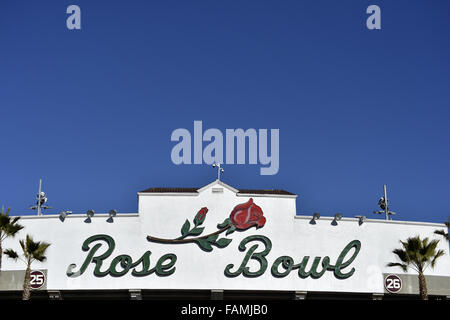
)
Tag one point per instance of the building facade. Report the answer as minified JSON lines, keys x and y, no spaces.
{"x":218,"y":242}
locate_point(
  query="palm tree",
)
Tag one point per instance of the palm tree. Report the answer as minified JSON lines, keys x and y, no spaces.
{"x":31,"y":251}
{"x":8,"y":228}
{"x":442,"y":232}
{"x":418,"y":254}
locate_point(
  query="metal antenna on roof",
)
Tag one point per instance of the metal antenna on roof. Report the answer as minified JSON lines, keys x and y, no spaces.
{"x":41,"y":200}
{"x":383,"y":204}
{"x":219,"y":170}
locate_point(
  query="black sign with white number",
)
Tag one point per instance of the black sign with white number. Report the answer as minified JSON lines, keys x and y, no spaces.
{"x":393,"y":283}
{"x":37,"y":279}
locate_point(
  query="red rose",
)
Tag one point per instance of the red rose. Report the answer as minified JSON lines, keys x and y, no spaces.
{"x":201,"y":215}
{"x":246,"y":215}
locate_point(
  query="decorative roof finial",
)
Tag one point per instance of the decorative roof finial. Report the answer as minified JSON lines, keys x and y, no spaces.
{"x":219,"y":169}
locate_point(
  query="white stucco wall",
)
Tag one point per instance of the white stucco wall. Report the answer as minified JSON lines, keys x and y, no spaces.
{"x":162,"y":215}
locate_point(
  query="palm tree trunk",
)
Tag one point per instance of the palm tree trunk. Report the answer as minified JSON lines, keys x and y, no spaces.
{"x":26,"y":284}
{"x":423,"y":286}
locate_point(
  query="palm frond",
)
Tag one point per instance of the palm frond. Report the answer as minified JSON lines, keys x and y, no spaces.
{"x":32,"y":250}
{"x":427,"y":252}
{"x":11,"y":254}
{"x":416,"y":246}
{"x":441,"y":232}
{"x":9,"y":226}
{"x":401,"y":254}
{"x":22,"y":245}
{"x":440,"y":253}
{"x":404,"y":244}
{"x":401,"y":265}
{"x":424,"y":243}
{"x":4,"y":220}
{"x":12,"y":229}
{"x":39,"y":253}
{"x":417,"y":253}
{"x":30,"y":245}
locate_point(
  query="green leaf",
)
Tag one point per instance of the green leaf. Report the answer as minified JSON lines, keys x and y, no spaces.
{"x":226,"y":222}
{"x":212,"y":239}
{"x":231,"y":230}
{"x":185,"y":227}
{"x":204,"y":245}
{"x":196,"y":231}
{"x":222,"y":242}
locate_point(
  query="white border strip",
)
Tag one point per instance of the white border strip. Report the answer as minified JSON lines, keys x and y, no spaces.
{"x":415,"y":223}
{"x":79,"y":215}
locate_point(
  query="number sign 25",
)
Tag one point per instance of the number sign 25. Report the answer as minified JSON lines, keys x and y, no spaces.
{"x":37,"y":279}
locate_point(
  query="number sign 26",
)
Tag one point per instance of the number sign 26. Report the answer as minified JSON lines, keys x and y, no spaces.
{"x":393,"y":283}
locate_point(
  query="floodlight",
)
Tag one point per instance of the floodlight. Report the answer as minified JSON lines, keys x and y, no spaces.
{"x":337,"y":217}
{"x":361,"y":219}
{"x":63,"y":215}
{"x":90,"y":214}
{"x":382,"y":203}
{"x":112,"y":214}
{"x":315,"y":217}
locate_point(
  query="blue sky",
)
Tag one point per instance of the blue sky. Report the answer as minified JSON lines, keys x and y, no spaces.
{"x":91,"y":111}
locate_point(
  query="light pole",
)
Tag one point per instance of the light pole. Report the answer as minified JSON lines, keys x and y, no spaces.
{"x":41,"y":200}
{"x":383,"y":204}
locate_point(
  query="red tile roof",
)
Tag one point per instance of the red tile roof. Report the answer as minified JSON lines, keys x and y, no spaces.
{"x":270,"y":191}
{"x":194,"y":190}
{"x":170,"y":190}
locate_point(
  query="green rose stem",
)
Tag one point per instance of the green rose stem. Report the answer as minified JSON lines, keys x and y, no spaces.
{"x":160,"y":240}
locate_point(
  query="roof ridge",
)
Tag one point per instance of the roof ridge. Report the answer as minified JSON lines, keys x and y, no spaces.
{"x":195,"y":190}
{"x":169,"y":189}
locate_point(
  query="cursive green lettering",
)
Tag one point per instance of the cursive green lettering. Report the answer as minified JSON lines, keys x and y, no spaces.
{"x":164,"y":270}
{"x":356,"y":244}
{"x":90,"y":257}
{"x":287,"y":263}
{"x":145,"y":261}
{"x":251,"y":254}
{"x":283,"y":265}
{"x":125,"y":262}
{"x":121,"y":264}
